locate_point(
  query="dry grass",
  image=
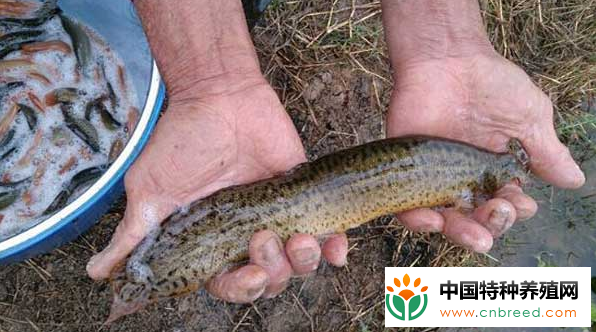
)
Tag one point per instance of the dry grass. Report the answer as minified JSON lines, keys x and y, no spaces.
{"x":302,"y":39}
{"x":329,"y":64}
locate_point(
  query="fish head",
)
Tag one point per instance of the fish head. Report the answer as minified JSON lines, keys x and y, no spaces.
{"x":513,"y":166}
{"x":510,"y":169}
{"x":516,"y":164}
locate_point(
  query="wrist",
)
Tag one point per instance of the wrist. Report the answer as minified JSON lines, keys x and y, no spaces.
{"x":202,"y":47}
{"x":422,"y":30}
{"x":186,"y":84}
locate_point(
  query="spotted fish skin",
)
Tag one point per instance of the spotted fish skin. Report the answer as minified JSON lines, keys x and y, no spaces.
{"x":337,"y":192}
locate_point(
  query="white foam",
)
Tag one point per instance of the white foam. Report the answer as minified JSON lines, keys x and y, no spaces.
{"x":60,"y":69}
{"x":136,"y":266}
{"x":150,"y":216}
{"x":184,"y":210}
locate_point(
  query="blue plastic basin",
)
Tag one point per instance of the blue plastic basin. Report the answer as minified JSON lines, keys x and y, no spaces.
{"x":118,"y":23}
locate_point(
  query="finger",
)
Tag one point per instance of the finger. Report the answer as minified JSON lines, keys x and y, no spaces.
{"x":335,"y":249}
{"x":551,"y":160}
{"x":243,"y":285}
{"x":525,"y":206}
{"x":304,"y":253}
{"x":126,"y":237}
{"x":266,"y":250}
{"x":466,"y":232}
{"x":137,"y":222}
{"x":422,"y":220}
{"x":496,"y":215}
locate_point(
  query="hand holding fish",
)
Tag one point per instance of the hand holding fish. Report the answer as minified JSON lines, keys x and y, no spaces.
{"x":499,"y":103}
{"x":450,"y":82}
{"x":224,"y":126}
{"x":200,"y":147}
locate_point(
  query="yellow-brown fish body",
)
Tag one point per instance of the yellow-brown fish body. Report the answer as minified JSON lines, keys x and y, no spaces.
{"x":337,"y":192}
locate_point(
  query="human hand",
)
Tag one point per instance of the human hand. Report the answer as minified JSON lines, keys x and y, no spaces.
{"x":450,"y":82}
{"x":484,"y":100}
{"x":201,"y":145}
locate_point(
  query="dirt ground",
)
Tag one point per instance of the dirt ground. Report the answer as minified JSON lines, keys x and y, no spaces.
{"x":328,"y":62}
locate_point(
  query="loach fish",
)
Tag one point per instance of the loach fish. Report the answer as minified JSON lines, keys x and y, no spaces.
{"x":79,"y":180}
{"x":335,"y":193}
{"x":46,"y":11}
{"x":80,"y":41}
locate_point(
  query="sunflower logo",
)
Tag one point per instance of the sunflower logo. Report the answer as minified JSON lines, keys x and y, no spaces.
{"x":406,"y":304}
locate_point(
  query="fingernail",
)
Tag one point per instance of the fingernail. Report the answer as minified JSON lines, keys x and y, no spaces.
{"x":483,"y":245}
{"x":498,"y":217}
{"x":477,"y":244}
{"x":525,"y":213}
{"x":342,"y":262}
{"x":256,"y":291}
{"x":575,"y":176}
{"x":274,"y":290}
{"x":271,"y":251}
{"x":91,"y":262}
{"x":500,"y":220}
{"x":579,"y":176}
{"x":100,"y":255}
{"x":95,"y":259}
{"x":305,"y":256}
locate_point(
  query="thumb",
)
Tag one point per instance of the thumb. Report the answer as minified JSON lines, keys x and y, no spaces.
{"x":139,"y":219}
{"x":551,"y":160}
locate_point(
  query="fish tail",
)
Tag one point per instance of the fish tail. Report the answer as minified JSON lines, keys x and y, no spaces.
{"x":129,"y":297}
